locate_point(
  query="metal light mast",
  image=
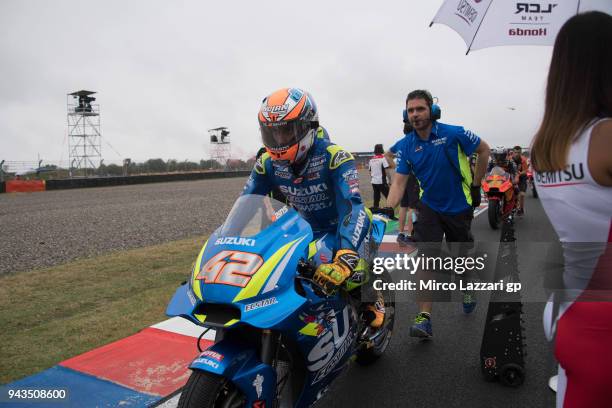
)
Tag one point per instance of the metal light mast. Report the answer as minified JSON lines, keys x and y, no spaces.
{"x":84,"y":137}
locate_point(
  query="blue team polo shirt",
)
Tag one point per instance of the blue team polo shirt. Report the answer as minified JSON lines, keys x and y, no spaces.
{"x":441,"y":165}
{"x":396,"y":149}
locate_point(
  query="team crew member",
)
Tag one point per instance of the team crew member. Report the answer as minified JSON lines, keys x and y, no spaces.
{"x":573,"y":172}
{"x":317,"y":178}
{"x":521,"y":163}
{"x":438,"y":155}
{"x":377,"y":166}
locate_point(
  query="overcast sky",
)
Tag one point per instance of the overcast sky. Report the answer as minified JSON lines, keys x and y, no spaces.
{"x":166,"y":71}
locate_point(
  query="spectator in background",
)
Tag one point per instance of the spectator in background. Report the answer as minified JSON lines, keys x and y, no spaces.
{"x":571,"y":158}
{"x":377,"y":167}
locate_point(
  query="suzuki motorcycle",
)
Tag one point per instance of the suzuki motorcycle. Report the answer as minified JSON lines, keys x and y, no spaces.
{"x":501,"y":196}
{"x":281,"y":338}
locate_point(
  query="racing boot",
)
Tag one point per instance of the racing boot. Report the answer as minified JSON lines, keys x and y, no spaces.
{"x":375,"y":313}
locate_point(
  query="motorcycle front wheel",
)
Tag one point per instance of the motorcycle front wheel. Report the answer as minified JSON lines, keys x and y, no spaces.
{"x":494,"y":213}
{"x":207,"y":390}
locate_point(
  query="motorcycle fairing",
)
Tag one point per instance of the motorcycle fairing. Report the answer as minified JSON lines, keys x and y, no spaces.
{"x":326,"y":341}
{"x":268,"y":297}
{"x":240,"y":364}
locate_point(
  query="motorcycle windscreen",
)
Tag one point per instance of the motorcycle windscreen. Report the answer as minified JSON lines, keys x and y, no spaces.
{"x":252,"y":214}
{"x":244,"y":259}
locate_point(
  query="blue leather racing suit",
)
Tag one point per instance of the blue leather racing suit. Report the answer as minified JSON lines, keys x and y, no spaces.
{"x":325,"y":191}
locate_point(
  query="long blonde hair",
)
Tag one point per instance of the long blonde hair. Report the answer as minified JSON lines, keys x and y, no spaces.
{"x":579,"y":87}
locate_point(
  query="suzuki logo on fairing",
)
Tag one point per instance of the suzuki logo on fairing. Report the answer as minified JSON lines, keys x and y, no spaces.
{"x":206,"y":361}
{"x":534,"y":8}
{"x":323,"y":351}
{"x":235,"y":241}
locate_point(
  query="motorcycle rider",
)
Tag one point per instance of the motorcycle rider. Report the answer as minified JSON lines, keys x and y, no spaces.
{"x":319,"y":180}
{"x":499,"y":158}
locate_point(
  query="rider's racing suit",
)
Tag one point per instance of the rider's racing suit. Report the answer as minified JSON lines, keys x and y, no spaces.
{"x":325,"y":191}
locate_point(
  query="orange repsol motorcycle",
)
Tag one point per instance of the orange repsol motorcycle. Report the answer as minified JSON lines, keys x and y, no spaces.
{"x":499,"y":190}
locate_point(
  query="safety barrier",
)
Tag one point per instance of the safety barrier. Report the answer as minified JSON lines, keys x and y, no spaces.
{"x":24,"y":186}
{"x":119,"y":181}
{"x":142,"y":179}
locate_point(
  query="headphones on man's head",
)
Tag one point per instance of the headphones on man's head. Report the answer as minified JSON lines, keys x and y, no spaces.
{"x":434,"y":109}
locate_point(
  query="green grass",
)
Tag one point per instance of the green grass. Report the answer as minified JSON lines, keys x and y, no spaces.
{"x":49,"y":315}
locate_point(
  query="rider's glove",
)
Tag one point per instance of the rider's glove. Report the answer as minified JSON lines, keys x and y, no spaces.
{"x":475,"y":193}
{"x":340,"y":270}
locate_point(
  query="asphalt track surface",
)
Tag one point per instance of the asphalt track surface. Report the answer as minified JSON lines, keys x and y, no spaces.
{"x":445,"y":371}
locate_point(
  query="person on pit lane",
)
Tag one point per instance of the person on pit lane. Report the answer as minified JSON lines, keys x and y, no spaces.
{"x":438,"y":155}
{"x":320,"y":181}
{"x":377,"y":166}
{"x":570,"y":155}
{"x":522,"y":166}
{"x":500,"y":157}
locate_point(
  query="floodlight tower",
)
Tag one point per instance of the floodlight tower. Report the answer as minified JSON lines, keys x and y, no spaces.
{"x":220,"y":145}
{"x":84,"y":137}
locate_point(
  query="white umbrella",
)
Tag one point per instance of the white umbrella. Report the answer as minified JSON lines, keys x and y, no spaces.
{"x":488,"y":23}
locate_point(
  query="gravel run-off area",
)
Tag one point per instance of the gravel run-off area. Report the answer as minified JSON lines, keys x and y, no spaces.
{"x":53,"y":227}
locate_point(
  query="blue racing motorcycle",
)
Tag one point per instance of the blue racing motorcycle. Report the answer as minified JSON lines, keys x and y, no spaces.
{"x":281,"y":339}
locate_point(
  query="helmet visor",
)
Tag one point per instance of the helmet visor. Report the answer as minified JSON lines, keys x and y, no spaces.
{"x":283,"y":135}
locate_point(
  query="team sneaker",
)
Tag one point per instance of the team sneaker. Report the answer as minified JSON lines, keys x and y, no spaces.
{"x":404,"y":239}
{"x":469,"y":303}
{"x":422,"y":326}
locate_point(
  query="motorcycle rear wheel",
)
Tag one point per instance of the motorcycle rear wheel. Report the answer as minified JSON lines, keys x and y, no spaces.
{"x":494,"y":213}
{"x":207,"y":390}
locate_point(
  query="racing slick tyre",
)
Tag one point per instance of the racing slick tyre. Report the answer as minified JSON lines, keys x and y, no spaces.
{"x":379,"y":339}
{"x":493,"y":213}
{"x":512,"y":375}
{"x":207,"y":390}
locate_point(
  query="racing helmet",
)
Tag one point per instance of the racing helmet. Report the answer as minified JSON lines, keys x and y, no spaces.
{"x":499,"y":155}
{"x":288,"y":121}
